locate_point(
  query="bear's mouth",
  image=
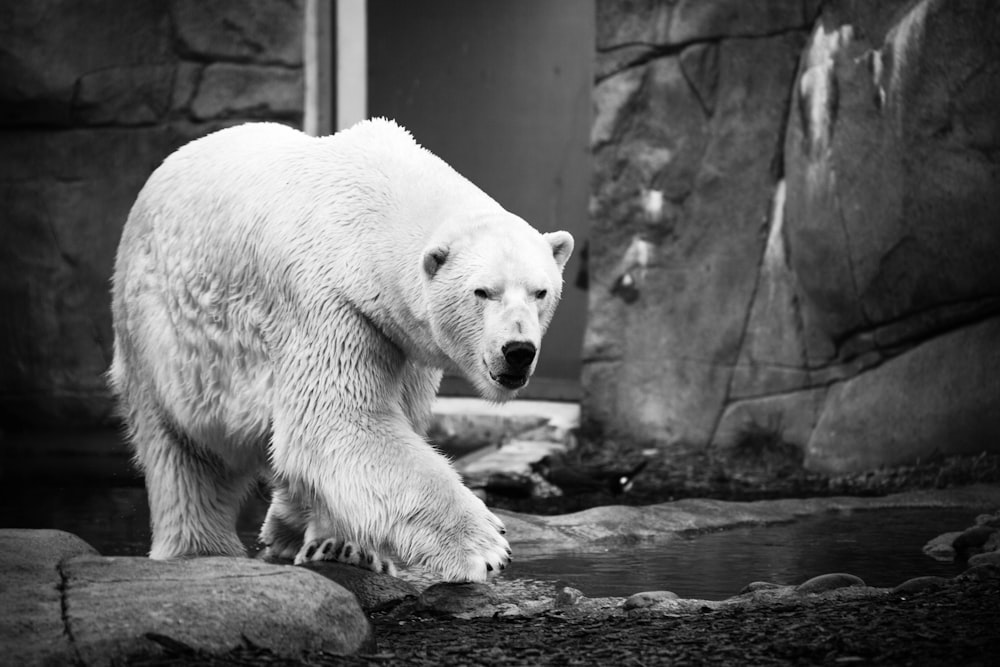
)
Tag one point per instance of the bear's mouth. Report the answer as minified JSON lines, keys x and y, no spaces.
{"x":509,"y":380}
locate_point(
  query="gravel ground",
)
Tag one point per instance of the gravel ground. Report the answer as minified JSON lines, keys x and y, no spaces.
{"x":954,"y":625}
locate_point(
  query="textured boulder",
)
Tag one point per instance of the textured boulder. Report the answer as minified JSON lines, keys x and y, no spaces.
{"x":209,"y":604}
{"x":816,"y":264}
{"x":66,"y":604}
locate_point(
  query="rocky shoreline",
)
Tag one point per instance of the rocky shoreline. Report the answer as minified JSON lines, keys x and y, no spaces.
{"x":65,"y":603}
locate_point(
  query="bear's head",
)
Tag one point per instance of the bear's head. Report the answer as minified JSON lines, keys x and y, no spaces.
{"x":491,"y":290}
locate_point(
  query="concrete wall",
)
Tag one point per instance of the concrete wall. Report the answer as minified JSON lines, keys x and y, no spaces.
{"x":93,"y":95}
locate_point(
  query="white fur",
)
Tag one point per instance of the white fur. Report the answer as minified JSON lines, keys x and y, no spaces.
{"x":284,"y":305}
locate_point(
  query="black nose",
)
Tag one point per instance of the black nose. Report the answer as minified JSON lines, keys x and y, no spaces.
{"x":519,"y":355}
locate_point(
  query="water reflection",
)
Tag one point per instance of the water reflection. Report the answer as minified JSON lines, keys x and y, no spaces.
{"x":883,"y":547}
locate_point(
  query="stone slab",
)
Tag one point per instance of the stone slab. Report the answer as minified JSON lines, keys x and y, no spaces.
{"x":210,"y":604}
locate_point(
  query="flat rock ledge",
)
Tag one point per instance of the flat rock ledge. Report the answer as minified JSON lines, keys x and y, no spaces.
{"x":63,"y":603}
{"x":617,"y":525}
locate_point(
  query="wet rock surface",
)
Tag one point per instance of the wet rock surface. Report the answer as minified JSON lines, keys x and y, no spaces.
{"x":978,"y":544}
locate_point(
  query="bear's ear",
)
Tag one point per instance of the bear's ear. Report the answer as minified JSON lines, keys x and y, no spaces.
{"x":434,"y":258}
{"x":562,"y":247}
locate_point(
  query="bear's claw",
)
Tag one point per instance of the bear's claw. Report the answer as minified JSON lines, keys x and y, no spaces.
{"x":482,"y":554}
{"x":340,"y":551}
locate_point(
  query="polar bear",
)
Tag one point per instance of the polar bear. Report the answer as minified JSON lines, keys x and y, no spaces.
{"x":284,"y":305}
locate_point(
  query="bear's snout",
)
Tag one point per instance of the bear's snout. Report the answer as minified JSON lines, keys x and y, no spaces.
{"x":519,"y":355}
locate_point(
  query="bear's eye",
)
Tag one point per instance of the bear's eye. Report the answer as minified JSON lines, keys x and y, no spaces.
{"x":481,"y":294}
{"x":540,"y":294}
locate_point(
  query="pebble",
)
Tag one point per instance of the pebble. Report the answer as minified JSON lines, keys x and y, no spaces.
{"x":647,"y":599}
{"x":449,"y":598}
{"x":829,"y":582}
{"x":919,"y":585}
{"x":979,"y":573}
{"x":567,"y":597}
{"x":940,"y":548}
{"x":987,"y":558}
{"x":972,"y":540}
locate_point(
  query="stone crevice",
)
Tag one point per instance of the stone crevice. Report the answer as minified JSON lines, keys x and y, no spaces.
{"x":706,"y":108}
{"x":857,"y":365}
{"x":945,"y":318}
{"x":798,"y":389}
{"x":848,"y":246}
{"x":774,"y":218}
{"x":63,"y":587}
{"x":655,"y":51}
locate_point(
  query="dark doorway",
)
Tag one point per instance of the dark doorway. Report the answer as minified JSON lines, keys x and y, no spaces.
{"x":501,"y":91}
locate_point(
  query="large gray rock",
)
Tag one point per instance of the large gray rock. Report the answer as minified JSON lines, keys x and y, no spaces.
{"x":63,"y":603}
{"x":821,"y":265}
{"x":892,"y":177}
{"x":209,"y":604}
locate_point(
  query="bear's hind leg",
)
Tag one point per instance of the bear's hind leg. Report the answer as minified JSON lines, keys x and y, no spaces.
{"x":291,"y":531}
{"x":194,"y":498}
{"x":339,"y":550}
{"x":285,"y":524}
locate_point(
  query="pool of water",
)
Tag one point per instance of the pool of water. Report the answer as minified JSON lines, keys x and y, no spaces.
{"x":883,"y":547}
{"x":91,"y":489}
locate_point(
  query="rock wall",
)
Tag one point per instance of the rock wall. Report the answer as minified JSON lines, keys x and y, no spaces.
{"x":796,"y":213}
{"x":93,"y":95}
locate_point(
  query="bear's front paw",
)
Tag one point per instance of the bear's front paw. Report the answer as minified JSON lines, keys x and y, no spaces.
{"x":340,"y":551}
{"x":479,"y":552}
